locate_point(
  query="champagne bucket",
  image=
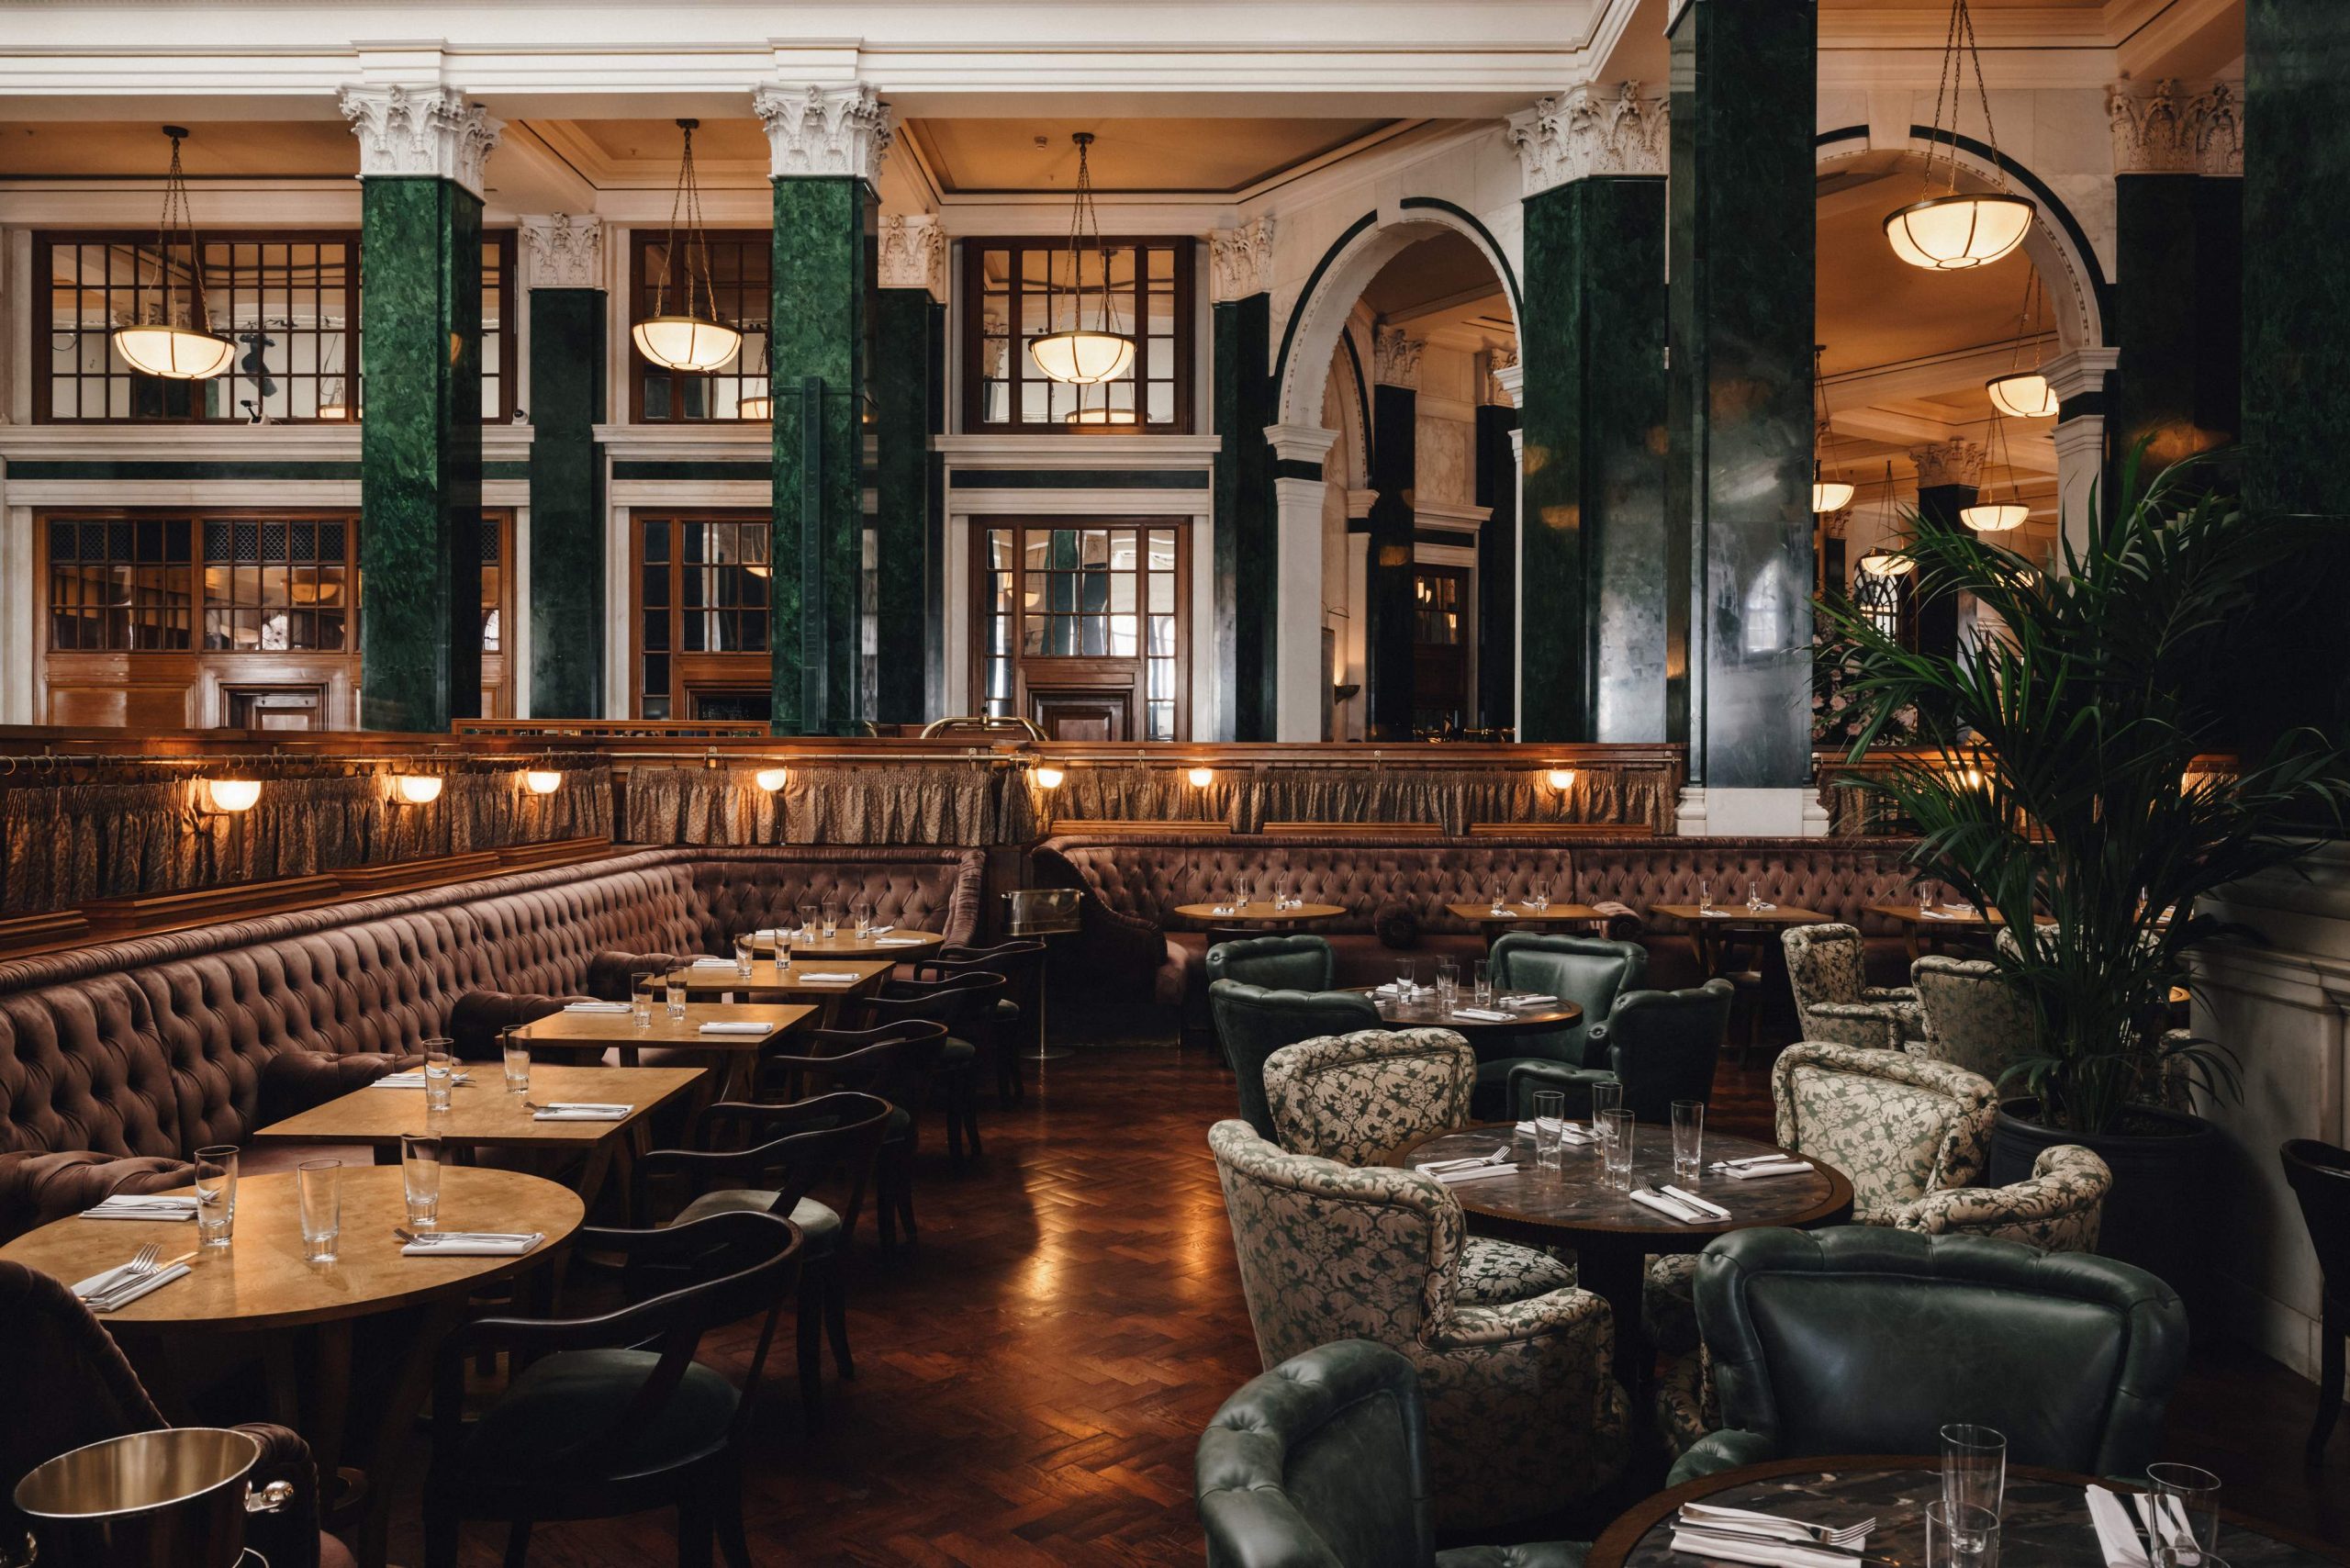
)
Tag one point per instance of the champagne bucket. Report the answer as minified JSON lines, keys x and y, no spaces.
{"x":175,"y":1498}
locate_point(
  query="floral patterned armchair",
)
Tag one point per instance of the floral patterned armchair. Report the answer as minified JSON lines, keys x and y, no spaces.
{"x":2058,"y":1207}
{"x":1523,"y":1414}
{"x":1352,"y":1098}
{"x":1972,"y":1015}
{"x":1833,"y":998}
{"x":1900,"y":1126}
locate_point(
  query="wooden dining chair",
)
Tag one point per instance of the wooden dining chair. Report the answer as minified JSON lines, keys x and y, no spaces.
{"x":960,"y":1001}
{"x":894,"y":1062}
{"x":769,"y":1159}
{"x":1017,"y":1017}
{"x":612,"y":1413}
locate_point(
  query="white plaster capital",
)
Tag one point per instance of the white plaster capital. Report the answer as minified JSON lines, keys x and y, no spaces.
{"x":1506,"y":378}
{"x":1591,"y":129}
{"x":2079,"y":371}
{"x":2166,"y":132}
{"x":560,"y":251}
{"x":1954,"y":462}
{"x":420,"y":130}
{"x":1396,"y":358}
{"x":1240,"y":261}
{"x":1301,"y":444}
{"x":818,"y":130}
{"x":912,"y":252}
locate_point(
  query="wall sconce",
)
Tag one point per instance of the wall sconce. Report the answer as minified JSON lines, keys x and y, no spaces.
{"x":1200,"y":778}
{"x":542,"y":781}
{"x":227,"y":797}
{"x":417,"y":788}
{"x":771,"y":778}
{"x":1560,"y":778}
{"x":1048,"y":777}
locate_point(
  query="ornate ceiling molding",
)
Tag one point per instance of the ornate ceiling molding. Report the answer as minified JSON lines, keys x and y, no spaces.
{"x":1954,"y":462}
{"x":1396,"y":359}
{"x":561,"y":251}
{"x":426,"y":131}
{"x":914,"y":253}
{"x":2163,"y":132}
{"x":1608,"y":129}
{"x":1504,"y":376}
{"x":817,"y":130}
{"x":1240,"y":261}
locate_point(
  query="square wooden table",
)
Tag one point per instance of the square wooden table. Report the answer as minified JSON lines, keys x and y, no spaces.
{"x":1921,"y":931}
{"x":766,"y":981}
{"x":1491,"y":921}
{"x":738,"y":1052}
{"x":482,"y":1115}
{"x":1709,"y":928}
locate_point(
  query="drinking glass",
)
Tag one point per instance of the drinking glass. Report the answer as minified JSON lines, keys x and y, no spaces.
{"x":1754,"y":895}
{"x":1281,"y":893}
{"x":1501,"y":898}
{"x":1975,"y":1468}
{"x":1447,"y":985}
{"x":744,"y":954}
{"x":677,"y":997}
{"x":640,"y":997}
{"x":1925,"y":895}
{"x":1407,"y":975}
{"x":2187,"y":1500}
{"x":1688,"y":1140}
{"x":1482,"y":983}
{"x":1615,"y":1147}
{"x":1537,"y":894}
{"x":1705,"y":894}
{"x":215,"y":1193}
{"x":808,"y":920}
{"x":861,"y":912}
{"x":420,"y":1179}
{"x":782,"y":957}
{"x":1549,"y":1128}
{"x":1239,"y":895}
{"x":319,"y":1188}
{"x":440,"y":1074}
{"x":514,"y":1053}
{"x":1961,"y":1536}
{"x":831,"y":918}
{"x":1606,"y":1095}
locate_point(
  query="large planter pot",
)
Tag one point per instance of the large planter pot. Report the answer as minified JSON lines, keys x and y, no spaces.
{"x":2162,"y":1184}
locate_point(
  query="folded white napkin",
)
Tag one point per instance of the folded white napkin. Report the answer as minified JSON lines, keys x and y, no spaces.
{"x":827,"y":979}
{"x":1481,"y":1014}
{"x":1686,"y":1196}
{"x":414,"y":1079}
{"x":711,"y":964}
{"x":881,"y":931}
{"x":769,"y":934}
{"x":1751,"y":1521}
{"x":471,"y":1243}
{"x":1670,"y":1210}
{"x":1770,"y":1553}
{"x":1530,"y":999}
{"x":1760,"y":907}
{"x":898,"y":942}
{"x":147,"y":1286}
{"x":1224,"y":909}
{"x":1569,"y":1132}
{"x":562,"y":1112}
{"x":1474,"y":1173}
{"x":2116,"y":1536}
{"x":132,"y":1207}
{"x":595,"y":1007}
{"x":1942,"y":913}
{"x":1393,"y":988}
{"x":734,"y":1027}
{"x":1775,"y":1168}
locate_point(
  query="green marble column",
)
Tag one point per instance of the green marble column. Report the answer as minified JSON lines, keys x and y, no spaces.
{"x":2177,"y":312}
{"x":1387,"y":611}
{"x":420,"y":530}
{"x":822,"y":273}
{"x":1596,"y":542}
{"x":566,"y":540}
{"x":1247,"y":567}
{"x":1941,"y":497}
{"x":909,"y":332}
{"x":1739,"y":473}
{"x":1497,"y":567}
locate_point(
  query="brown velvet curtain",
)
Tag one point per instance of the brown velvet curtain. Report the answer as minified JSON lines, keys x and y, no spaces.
{"x":964,"y":804}
{"x":66,"y":843}
{"x":1642,"y":799}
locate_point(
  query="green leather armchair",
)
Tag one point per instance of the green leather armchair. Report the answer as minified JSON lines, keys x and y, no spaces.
{"x":1252,"y":1022}
{"x":1866,"y":1341}
{"x":1587,"y":970}
{"x":1288,"y":961}
{"x":1322,"y":1462}
{"x":1660,"y":1045}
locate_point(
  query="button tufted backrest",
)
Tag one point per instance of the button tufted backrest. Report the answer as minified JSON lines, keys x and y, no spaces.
{"x":1836,"y":878}
{"x":926,"y":889}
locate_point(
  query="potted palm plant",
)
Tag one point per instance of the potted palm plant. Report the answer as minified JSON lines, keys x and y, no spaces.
{"x":2057,"y":785}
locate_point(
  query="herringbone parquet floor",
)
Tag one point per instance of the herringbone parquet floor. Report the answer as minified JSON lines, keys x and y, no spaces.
{"x":1034,"y":1372}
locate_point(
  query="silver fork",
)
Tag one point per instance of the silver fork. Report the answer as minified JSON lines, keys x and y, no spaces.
{"x":1435,"y":1167}
{"x":142,"y":1264}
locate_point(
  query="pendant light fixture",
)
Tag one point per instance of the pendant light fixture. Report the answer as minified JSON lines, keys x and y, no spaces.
{"x":177,"y":346}
{"x":2023,"y":393}
{"x":1988,"y":516}
{"x":1084,"y":357}
{"x":692,"y":338}
{"x":1957,"y":230}
{"x":1829,"y":492}
{"x":1881,"y":562}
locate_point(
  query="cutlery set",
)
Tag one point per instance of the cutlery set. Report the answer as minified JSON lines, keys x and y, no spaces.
{"x":118,"y":1285}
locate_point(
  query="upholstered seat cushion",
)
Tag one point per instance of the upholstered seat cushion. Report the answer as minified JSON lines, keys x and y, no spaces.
{"x":1531,"y":1554}
{"x":1495,"y":1273}
{"x":1668,"y":1309}
{"x":818,"y":1222}
{"x":529,"y":1433}
{"x":954,"y":1053}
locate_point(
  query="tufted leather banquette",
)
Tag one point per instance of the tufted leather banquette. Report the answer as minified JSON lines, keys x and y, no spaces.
{"x":1135,"y":946}
{"x":118,"y":1060}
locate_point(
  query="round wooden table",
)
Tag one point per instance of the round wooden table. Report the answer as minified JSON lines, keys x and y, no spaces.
{"x":1422,"y":1012}
{"x":901,"y":944}
{"x":261,"y":1284}
{"x":2044,"y":1520}
{"x":1258,"y":915}
{"x":1613,"y":1236}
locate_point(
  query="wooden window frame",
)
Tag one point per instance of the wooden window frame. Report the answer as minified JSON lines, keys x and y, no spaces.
{"x":640,"y":304}
{"x":44,"y":314}
{"x":704,"y":673}
{"x":973,"y":347}
{"x":977,"y":586}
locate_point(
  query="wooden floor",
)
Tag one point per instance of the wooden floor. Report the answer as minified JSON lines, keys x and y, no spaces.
{"x":1034,"y":1374}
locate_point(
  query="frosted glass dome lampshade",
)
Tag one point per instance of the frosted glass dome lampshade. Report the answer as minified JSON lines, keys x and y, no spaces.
{"x":173,"y":353}
{"x":1952,"y":233}
{"x":1048,"y":777}
{"x":1200,"y":778}
{"x":771,"y":778}
{"x":417,"y":788}
{"x":686,"y":343}
{"x":1560,"y":778}
{"x":229,"y":796}
{"x":2025,"y":394}
{"x":1830,"y":495}
{"x":542,"y":781}
{"x":1083,"y":356}
{"x":759,"y":407}
{"x":1882,"y":565}
{"x":1995,"y":517}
